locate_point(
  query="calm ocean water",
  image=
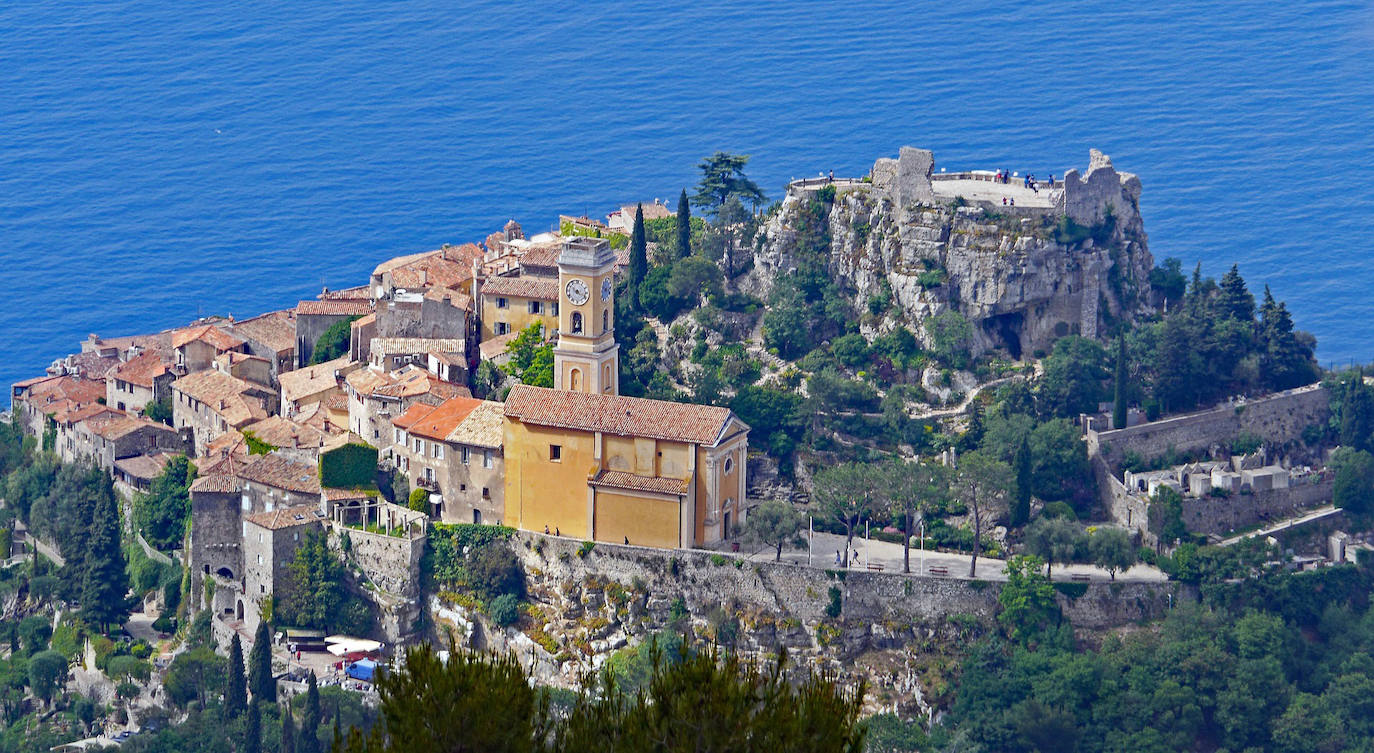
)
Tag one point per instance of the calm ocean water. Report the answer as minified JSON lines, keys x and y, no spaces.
{"x":160,"y":160}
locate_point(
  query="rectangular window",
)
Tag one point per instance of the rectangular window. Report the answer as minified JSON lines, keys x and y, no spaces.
{"x":486,"y":458}
{"x":502,"y":328}
{"x":554,"y":308}
{"x":429,"y":474}
{"x":399,"y":438}
{"x":420,"y":446}
{"x":438,"y":451}
{"x":501,"y":303}
{"x":555,"y":452}
{"x":536,"y":307}
{"x":486,"y":493}
{"x":259,"y":559}
{"x":465,"y":455}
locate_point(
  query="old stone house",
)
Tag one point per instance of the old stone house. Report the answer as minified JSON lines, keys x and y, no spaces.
{"x":314,"y":317}
{"x":454,"y":451}
{"x":510,"y":304}
{"x":143,"y":379}
{"x":310,"y":385}
{"x":197,"y":347}
{"x":36,"y":400}
{"x":375,"y":397}
{"x":211,"y":403}
{"x":270,"y":336}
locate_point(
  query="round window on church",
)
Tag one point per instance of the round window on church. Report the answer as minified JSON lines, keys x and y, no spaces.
{"x":729,"y":465}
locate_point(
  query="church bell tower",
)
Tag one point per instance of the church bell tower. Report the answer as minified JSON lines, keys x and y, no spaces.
{"x":587,"y":356}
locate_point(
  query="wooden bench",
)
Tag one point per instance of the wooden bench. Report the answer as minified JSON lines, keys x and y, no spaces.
{"x":879,"y":567}
{"x":938,"y":570}
{"x":1080,"y":577}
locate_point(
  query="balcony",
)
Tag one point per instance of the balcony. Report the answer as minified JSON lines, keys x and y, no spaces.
{"x":428,"y":484}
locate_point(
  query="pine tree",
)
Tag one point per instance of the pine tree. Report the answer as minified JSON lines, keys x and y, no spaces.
{"x":1235,"y":301}
{"x":310,"y":719}
{"x":684,"y":226}
{"x":104,"y":580}
{"x":1020,"y":505}
{"x":288,"y":732}
{"x":235,"y":687}
{"x":260,"y":681}
{"x":1285,"y":361}
{"x":252,"y":734}
{"x":1119,"y":397}
{"x":639,"y":259}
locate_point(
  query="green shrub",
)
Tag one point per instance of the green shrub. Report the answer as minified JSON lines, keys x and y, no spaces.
{"x":836,"y":605}
{"x":419,"y":500}
{"x":164,"y":624}
{"x":504,"y":610}
{"x":719,"y":560}
{"x":586,"y":549}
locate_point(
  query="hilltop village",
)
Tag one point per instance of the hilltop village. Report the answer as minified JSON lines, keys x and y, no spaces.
{"x":827,"y":425}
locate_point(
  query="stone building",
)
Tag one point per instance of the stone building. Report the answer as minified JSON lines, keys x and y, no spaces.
{"x":112,"y":436}
{"x":310,"y":385}
{"x":392,"y":353}
{"x":375,"y":397}
{"x":211,"y":403}
{"x":270,"y":541}
{"x":143,"y":379}
{"x":510,"y":304}
{"x":197,"y":347}
{"x":454,"y":451}
{"x":447,"y":267}
{"x":270,"y":336}
{"x":314,"y":317}
{"x":35,"y":400}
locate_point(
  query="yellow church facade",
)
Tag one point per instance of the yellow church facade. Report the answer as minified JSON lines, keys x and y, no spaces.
{"x":615,"y":469}
{"x":583,"y":461}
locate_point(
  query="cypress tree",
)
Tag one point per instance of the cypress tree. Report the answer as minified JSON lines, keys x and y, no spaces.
{"x":260,"y":681}
{"x":1236,"y":301}
{"x":1020,"y":505}
{"x":252,"y":735}
{"x":684,"y":226}
{"x":235,"y":687}
{"x":104,"y":579}
{"x":338,"y":733}
{"x":310,"y":719}
{"x":288,"y":731}
{"x":1119,"y":398}
{"x":639,"y":259}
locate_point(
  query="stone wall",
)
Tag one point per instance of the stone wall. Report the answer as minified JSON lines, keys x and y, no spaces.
{"x":1277,"y":418}
{"x":1221,"y":515}
{"x":392,"y":563}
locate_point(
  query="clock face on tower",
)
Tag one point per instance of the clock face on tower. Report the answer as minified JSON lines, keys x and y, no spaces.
{"x":577,"y":292}
{"x":606,"y":289}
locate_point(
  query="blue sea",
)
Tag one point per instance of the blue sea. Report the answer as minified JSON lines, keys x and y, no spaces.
{"x":164,"y":160}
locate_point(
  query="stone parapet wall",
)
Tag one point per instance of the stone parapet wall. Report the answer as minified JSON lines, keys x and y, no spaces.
{"x":1277,"y":419}
{"x":1221,"y":515}
{"x":392,"y":563}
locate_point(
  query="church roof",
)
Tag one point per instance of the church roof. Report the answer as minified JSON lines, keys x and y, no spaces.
{"x":620,"y":415}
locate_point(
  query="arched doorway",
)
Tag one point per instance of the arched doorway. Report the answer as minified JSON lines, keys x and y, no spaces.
{"x":238,"y":610}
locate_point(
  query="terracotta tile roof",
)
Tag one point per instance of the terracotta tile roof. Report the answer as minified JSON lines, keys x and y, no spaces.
{"x":276,"y":330}
{"x":542,"y":256}
{"x":436,"y":422}
{"x":624,"y":480}
{"x":230,"y":443}
{"x":366,"y":381}
{"x":617,"y":414}
{"x":91,"y":365}
{"x":123,"y":424}
{"x":496,"y":346}
{"x":310,"y":380}
{"x":142,"y":369}
{"x":225,"y":395}
{"x":207,"y":333}
{"x":446,"y":267}
{"x":336,"y":401}
{"x":31,"y":381}
{"x":335,"y":307}
{"x":225,"y":463}
{"x":144,"y":466}
{"x":286,"y":517}
{"x":485,"y":426}
{"x":413,"y":381}
{"x":87,"y":411}
{"x":622,"y":258}
{"x":217,"y":484}
{"x":51,"y":393}
{"x":359,"y":291}
{"x":451,"y":359}
{"x":285,"y":433}
{"x":366,"y":320}
{"x":538,"y":288}
{"x":280,"y":472}
{"x":334,"y":494}
{"x":416,"y":345}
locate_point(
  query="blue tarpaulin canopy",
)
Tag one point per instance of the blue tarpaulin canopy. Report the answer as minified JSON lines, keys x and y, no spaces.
{"x":363,"y":669}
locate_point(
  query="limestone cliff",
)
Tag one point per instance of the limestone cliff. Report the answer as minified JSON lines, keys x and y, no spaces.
{"x":1068,"y":259}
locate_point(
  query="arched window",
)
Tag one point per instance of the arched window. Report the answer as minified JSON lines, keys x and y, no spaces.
{"x":605,"y":320}
{"x":575,"y":380}
{"x":577,"y":322}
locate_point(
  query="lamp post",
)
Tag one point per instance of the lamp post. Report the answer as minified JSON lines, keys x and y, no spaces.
{"x":923,"y":544}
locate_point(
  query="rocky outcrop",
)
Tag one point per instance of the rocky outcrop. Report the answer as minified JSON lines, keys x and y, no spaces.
{"x":1023,"y":276}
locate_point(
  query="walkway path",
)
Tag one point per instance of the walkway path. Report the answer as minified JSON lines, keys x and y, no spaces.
{"x":1308,"y":517}
{"x":47,"y":551}
{"x":940,"y":564}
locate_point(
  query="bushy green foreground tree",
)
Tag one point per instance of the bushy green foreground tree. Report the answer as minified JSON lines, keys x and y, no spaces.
{"x":161,"y":513}
{"x":702,"y":702}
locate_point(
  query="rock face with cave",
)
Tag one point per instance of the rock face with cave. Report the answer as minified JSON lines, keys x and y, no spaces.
{"x":1072,"y":259}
